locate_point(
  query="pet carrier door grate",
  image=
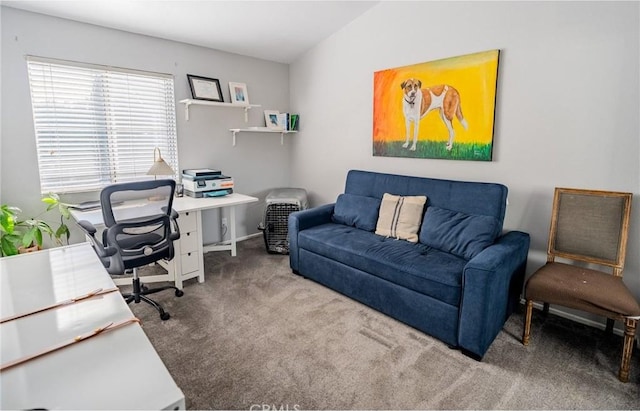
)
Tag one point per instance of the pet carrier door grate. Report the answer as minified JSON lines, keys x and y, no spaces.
{"x":275,"y":226}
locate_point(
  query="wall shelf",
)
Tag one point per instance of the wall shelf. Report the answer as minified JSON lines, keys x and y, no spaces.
{"x":188,"y":102}
{"x":235,"y":131}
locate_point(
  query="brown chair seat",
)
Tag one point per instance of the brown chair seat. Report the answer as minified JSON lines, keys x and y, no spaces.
{"x":583,"y":289}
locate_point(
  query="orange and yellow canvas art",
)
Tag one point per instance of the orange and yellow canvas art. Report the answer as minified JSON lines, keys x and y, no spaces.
{"x":439,"y":109}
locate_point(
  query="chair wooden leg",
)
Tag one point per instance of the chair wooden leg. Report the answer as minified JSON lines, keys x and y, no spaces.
{"x":627,"y":349}
{"x":527,"y":322}
{"x":609,"y":328}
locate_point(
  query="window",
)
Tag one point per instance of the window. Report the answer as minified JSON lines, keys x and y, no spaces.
{"x":98,"y":125}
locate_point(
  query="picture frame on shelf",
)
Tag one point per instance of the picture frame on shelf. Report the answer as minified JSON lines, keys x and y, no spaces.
{"x":238,"y":92}
{"x":205,"y":88}
{"x":271,"y":119}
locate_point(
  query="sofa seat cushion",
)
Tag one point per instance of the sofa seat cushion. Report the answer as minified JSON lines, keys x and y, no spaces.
{"x":416,"y":266}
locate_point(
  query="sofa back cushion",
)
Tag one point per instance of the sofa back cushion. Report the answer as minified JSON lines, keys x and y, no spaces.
{"x":400,"y":216}
{"x":464,"y":235}
{"x":356,"y":211}
{"x":484,"y":199}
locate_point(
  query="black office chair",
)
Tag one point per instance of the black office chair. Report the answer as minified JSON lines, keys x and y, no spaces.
{"x":140,"y":228}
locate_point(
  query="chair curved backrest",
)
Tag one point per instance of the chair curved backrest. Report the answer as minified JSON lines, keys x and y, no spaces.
{"x":139,"y":223}
{"x":590,"y":226}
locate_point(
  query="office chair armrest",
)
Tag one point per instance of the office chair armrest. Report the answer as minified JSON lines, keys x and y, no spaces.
{"x":175,"y":233}
{"x":90,"y":231}
{"x":87,"y":227}
{"x":174,"y":214}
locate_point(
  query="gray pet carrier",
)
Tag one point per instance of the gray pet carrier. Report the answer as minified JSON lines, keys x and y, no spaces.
{"x":279,"y":203}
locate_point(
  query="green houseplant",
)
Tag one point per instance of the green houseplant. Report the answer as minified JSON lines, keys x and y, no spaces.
{"x":17,"y":234}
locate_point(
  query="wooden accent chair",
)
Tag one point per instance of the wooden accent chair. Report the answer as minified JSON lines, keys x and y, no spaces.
{"x":587,"y":227}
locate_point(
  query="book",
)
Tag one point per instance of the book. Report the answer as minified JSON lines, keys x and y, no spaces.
{"x":294,"y":121}
{"x":283,"y":121}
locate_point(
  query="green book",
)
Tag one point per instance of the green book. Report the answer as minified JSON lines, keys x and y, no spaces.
{"x":294,"y":122}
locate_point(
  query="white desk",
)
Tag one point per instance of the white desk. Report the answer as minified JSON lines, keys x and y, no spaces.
{"x":116,"y":370}
{"x":189,"y":250}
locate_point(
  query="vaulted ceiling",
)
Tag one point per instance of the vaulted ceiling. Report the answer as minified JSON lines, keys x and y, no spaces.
{"x":273,"y":30}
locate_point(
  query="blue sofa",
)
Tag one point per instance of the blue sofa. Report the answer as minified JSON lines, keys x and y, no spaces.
{"x":458,"y":283}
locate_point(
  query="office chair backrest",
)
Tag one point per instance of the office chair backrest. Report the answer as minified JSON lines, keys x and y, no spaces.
{"x":590,"y":226}
{"x":138,"y":223}
{"x":155,"y":197}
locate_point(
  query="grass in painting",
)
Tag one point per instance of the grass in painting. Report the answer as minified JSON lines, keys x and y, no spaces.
{"x":434,"y":149}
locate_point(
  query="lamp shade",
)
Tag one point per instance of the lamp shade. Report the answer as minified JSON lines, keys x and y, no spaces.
{"x":159,"y":167}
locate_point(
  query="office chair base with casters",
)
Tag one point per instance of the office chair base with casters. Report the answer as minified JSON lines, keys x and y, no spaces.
{"x":140,"y":292}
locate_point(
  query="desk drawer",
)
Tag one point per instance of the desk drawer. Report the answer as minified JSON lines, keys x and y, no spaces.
{"x":187,"y":221}
{"x":190,"y":262}
{"x":188,"y":242}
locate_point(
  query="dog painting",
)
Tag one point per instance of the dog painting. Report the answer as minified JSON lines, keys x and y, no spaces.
{"x":417,"y":102}
{"x":461,"y":91}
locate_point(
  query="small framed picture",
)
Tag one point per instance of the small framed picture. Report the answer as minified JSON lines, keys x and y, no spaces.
{"x":238,"y":93}
{"x":271,"y":119}
{"x":204,"y":88}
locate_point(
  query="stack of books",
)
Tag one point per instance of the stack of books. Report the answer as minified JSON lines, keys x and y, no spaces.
{"x":289,"y":122}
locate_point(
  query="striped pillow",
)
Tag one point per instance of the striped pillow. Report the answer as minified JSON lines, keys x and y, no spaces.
{"x":400,"y":216}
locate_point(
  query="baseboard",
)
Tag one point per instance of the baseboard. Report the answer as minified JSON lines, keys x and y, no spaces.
{"x":247,"y":237}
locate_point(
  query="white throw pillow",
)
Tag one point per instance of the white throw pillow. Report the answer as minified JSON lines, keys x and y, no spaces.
{"x":400,"y":216}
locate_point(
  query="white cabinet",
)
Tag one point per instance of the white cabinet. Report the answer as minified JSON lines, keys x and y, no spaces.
{"x":190,"y":264}
{"x":188,"y":249}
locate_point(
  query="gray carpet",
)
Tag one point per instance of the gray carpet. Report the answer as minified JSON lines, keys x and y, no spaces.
{"x":256,"y":334}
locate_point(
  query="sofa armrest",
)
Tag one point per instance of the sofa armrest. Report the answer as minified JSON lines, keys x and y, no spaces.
{"x":492,"y":282}
{"x":301,"y":220}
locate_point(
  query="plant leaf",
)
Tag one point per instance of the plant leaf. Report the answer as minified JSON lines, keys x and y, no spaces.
{"x":38,"y":237}
{"x":63,"y":230}
{"x":28,"y":237}
{"x":64,"y":210}
{"x":8,"y":246}
{"x":8,"y":218}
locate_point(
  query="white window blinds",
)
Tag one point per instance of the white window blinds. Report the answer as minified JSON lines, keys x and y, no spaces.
{"x":98,"y":125}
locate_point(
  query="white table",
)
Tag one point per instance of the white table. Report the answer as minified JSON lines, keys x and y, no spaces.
{"x":189,"y":250}
{"x":118,"y":369}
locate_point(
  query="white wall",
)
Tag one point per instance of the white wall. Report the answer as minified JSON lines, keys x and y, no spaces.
{"x":258,"y":163}
{"x":568,"y":103}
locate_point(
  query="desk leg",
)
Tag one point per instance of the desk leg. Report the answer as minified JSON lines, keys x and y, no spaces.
{"x":200,"y":246}
{"x":232,"y":215}
{"x":175,"y":268}
{"x":233,"y":238}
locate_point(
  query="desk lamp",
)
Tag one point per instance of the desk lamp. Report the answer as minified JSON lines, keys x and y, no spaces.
{"x":159,"y":168}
